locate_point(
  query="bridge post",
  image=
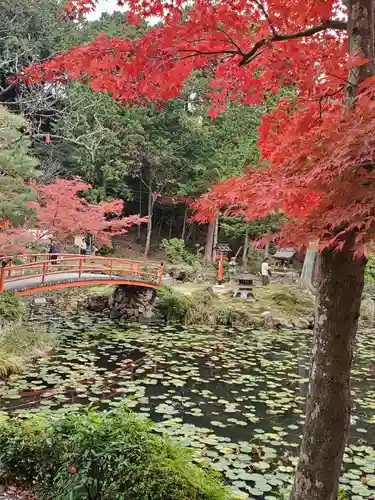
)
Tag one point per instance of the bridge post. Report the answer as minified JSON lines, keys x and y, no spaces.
{"x":45,"y":271}
{"x":161,"y":272}
{"x":2,"y":278}
{"x":111,"y":267}
{"x":80,"y":266}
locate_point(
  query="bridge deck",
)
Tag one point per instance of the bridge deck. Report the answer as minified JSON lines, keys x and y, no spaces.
{"x":69,"y":278}
{"x":39,"y":272}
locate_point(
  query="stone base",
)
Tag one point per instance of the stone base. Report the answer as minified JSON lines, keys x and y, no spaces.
{"x":131,"y":302}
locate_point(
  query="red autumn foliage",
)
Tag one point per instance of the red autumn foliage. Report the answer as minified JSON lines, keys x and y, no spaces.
{"x":319,"y":154}
{"x":61,"y":211}
{"x":14,"y":241}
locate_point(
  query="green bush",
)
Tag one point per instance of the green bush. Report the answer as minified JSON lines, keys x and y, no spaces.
{"x":173,"y":304}
{"x":101,"y":456}
{"x":177,"y":253}
{"x":11,"y":307}
{"x":174,"y":249}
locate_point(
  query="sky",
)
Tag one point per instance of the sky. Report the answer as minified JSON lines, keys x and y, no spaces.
{"x":104,"y":6}
{"x":110,"y":6}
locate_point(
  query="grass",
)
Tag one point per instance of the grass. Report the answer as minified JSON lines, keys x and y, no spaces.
{"x":21,"y":344}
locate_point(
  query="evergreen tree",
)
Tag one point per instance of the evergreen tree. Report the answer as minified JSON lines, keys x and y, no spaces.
{"x":17,"y":166}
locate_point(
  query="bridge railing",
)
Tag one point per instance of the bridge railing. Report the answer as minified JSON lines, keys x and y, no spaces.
{"x":43,"y":265}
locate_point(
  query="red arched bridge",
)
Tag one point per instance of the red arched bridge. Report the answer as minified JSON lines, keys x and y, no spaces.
{"x":33,"y":273}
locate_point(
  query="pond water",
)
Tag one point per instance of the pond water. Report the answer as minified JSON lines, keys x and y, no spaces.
{"x":235,"y":397}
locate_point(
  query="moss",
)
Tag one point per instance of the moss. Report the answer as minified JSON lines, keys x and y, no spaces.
{"x":287,"y":303}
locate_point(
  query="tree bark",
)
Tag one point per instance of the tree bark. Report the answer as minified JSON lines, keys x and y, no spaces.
{"x":139,"y":232}
{"x":267,"y":251}
{"x":245,"y":248}
{"x":149,"y":223}
{"x":307,"y":275}
{"x":328,"y":400}
{"x":209,"y":241}
{"x":337,"y":310}
{"x":215,"y":240}
{"x":183,"y":234}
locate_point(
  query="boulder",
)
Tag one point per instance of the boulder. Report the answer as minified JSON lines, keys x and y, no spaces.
{"x":97,"y":303}
{"x":367,"y":311}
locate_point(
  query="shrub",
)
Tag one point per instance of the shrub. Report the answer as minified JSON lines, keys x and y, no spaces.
{"x":173,"y":304}
{"x":11,"y":307}
{"x":106,"y":456}
{"x":177,"y":253}
{"x":174,"y":250}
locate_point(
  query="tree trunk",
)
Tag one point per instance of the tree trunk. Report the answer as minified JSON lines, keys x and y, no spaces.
{"x":267,"y":251}
{"x":328,"y":400}
{"x":209,"y":241}
{"x":337,"y":311}
{"x":149,"y":222}
{"x":245,"y":248}
{"x":170,"y":226}
{"x":139,"y":233}
{"x":307,"y":275}
{"x":216,"y":234}
{"x":183,"y":234}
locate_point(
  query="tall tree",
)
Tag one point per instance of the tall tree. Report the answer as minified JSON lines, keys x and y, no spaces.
{"x":17,"y":168}
{"x":317,"y":171}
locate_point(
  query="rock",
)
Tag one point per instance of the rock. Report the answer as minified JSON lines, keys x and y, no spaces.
{"x":269,"y":320}
{"x":97,"y":303}
{"x":265,"y":314}
{"x":131,"y":301}
{"x":40,"y":301}
{"x":367,"y":311}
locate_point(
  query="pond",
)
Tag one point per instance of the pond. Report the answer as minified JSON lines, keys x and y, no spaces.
{"x":235,"y":397}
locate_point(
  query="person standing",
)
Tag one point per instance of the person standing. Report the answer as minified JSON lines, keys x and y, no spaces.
{"x":265,"y":272}
{"x":83,"y":248}
{"x":53,"y":252}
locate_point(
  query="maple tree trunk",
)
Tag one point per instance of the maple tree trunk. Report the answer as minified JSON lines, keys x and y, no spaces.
{"x":328,"y":401}
{"x":338,"y":303}
{"x":149,"y":223}
{"x":209,"y":241}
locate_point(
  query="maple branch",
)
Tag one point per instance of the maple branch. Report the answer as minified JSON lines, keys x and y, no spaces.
{"x":326,"y":25}
{"x":231,"y":40}
{"x":209,"y":53}
{"x":265,"y":13}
